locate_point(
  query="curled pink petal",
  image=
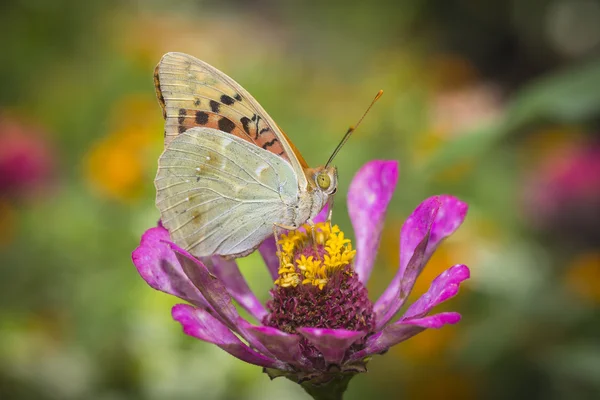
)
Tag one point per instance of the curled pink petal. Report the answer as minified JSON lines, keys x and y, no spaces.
{"x":444,"y":287}
{"x":449,"y":218}
{"x":414,"y":240}
{"x":434,"y":220}
{"x":159,"y":267}
{"x":332,"y":343}
{"x":368,"y":197}
{"x":200,"y":324}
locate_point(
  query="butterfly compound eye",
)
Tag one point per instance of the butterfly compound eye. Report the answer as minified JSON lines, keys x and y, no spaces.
{"x":323,"y":181}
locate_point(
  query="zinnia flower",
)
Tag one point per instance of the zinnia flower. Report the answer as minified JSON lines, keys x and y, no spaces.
{"x":320,"y":328}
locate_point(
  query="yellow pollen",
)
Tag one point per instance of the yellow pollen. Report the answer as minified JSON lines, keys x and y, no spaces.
{"x":295,"y":270}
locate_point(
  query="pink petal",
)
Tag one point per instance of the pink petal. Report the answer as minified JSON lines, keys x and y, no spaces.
{"x":444,"y":287}
{"x":400,"y":331}
{"x":434,"y":321}
{"x":200,"y":324}
{"x":283,"y":346}
{"x":229,"y":273}
{"x":322,"y":215}
{"x":368,"y":197}
{"x":414,"y":241}
{"x":158,"y":265}
{"x":434,"y":220}
{"x":215,"y":294}
{"x":268,"y":251}
{"x":449,"y":218}
{"x":332,"y":343}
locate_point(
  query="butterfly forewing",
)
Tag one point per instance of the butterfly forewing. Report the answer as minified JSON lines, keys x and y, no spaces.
{"x":220,"y":194}
{"x":195,"y":94}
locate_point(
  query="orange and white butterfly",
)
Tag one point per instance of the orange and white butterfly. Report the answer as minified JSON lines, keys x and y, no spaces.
{"x":228,"y":174}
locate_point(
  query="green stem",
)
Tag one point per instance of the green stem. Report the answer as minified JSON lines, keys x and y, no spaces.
{"x":332,"y":390}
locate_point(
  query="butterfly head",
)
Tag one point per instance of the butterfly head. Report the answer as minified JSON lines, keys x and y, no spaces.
{"x":326,"y":179}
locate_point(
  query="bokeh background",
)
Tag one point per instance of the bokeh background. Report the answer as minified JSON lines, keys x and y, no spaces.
{"x":497,"y":102}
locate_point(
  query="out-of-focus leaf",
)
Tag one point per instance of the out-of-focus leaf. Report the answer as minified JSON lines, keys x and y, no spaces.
{"x":563,"y":97}
{"x":578,"y":361}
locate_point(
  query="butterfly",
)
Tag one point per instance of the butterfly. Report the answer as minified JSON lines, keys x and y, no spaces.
{"x":228,"y":174}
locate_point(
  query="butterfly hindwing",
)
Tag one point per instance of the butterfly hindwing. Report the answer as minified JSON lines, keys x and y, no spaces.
{"x":219,"y":194}
{"x":195,"y":94}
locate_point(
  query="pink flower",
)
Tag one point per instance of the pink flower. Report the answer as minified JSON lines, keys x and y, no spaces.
{"x":26,"y":162}
{"x":563,"y":195}
{"x":322,"y":331}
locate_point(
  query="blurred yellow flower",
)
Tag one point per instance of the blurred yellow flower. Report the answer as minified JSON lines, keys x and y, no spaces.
{"x":583,"y":277}
{"x":120,"y":165}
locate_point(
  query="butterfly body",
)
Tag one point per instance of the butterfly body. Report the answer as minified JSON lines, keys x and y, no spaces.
{"x":228,"y":173}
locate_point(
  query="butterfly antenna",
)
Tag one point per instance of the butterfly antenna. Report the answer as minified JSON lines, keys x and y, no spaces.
{"x":352,"y":129}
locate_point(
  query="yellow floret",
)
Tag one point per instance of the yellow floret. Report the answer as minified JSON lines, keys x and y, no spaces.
{"x":308,"y":270}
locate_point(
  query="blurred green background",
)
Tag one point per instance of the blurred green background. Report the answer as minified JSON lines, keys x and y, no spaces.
{"x":497,"y":102}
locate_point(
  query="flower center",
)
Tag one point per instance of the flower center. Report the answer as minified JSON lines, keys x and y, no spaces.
{"x":313,"y":257}
{"x":317,"y":286}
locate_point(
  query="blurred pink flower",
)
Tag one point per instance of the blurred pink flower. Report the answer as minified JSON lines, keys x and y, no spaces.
{"x":563,"y":194}
{"x":26,"y":159}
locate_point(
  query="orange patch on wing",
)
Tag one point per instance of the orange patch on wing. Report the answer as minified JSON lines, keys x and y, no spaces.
{"x":247,"y":130}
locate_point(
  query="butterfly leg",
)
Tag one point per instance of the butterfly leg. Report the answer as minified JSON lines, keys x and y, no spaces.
{"x":277,"y":226}
{"x":276,"y":236}
{"x":330,"y":208}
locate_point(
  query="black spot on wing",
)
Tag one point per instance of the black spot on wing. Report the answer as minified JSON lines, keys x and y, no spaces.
{"x":197,"y":102}
{"x":227,"y":100}
{"x":182,"y":114}
{"x":201,"y":117}
{"x":269,"y":144}
{"x":245,"y":123}
{"x":256,"y":123}
{"x":238,"y":97}
{"x":263,"y":130}
{"x":214,"y":106}
{"x":226,"y":125}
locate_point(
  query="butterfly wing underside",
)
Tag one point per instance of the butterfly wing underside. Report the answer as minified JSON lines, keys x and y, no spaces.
{"x":193,"y":93}
{"x":219,"y":194}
